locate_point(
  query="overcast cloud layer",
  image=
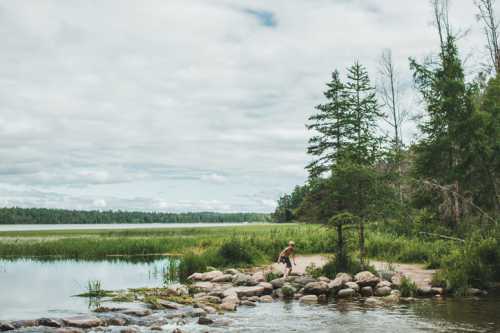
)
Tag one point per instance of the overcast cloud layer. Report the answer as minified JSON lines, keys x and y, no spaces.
{"x":181,"y":105}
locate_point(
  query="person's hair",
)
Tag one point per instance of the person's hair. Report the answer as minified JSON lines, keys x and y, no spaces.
{"x":291,"y":243}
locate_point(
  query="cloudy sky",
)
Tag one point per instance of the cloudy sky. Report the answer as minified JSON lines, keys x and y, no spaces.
{"x":182,"y":105}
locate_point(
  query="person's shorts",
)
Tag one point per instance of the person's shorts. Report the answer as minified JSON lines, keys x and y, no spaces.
{"x":286,"y":261}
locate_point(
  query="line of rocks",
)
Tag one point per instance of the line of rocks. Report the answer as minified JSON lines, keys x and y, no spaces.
{"x":216,"y":292}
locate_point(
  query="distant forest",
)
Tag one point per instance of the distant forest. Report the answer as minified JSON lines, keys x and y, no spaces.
{"x":59,"y":216}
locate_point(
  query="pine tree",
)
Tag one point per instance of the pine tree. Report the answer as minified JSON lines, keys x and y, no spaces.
{"x":330,"y":124}
{"x":364,"y":112}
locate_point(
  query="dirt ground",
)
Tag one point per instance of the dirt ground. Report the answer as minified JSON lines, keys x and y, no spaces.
{"x":416,"y":272}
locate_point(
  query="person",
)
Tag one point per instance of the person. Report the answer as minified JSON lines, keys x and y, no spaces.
{"x":285,"y":255}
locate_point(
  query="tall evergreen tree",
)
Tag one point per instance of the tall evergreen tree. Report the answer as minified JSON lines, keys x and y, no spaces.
{"x":330,"y":124}
{"x":364,"y":112}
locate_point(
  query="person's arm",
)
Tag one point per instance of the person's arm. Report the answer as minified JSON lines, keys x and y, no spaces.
{"x":293,"y":257}
{"x":281,"y":254}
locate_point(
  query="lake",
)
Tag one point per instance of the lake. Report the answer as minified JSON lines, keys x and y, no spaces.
{"x":37,"y":227}
{"x":33,"y":289}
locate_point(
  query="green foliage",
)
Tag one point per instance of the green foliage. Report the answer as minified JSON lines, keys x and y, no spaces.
{"x":238,"y":252}
{"x":350,"y":265}
{"x":288,"y":203}
{"x":60,"y":216}
{"x":408,"y":288}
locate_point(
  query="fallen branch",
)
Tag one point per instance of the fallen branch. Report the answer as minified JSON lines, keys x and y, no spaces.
{"x":443,"y":236}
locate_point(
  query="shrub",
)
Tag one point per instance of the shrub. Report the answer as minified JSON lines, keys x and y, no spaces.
{"x":408,"y":288}
{"x":238,"y":252}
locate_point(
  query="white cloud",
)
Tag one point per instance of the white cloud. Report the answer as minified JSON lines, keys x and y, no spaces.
{"x":198,"y":102}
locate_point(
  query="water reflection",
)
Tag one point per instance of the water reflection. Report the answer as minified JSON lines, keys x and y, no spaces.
{"x":30,"y":289}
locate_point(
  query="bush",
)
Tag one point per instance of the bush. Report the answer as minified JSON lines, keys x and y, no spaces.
{"x":238,"y":252}
{"x":408,"y":288}
{"x":351,"y":266}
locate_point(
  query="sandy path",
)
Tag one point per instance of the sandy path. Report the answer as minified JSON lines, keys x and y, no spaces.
{"x":416,"y":272}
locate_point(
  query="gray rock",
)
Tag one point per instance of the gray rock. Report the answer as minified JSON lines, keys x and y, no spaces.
{"x":268,"y":288}
{"x":24,"y":323}
{"x":425,"y":291}
{"x":383,"y":291}
{"x":265,"y":299}
{"x":245,"y":291}
{"x":231,"y":271}
{"x":322,"y":298}
{"x":373,"y":301}
{"x":324,"y":279}
{"x":301,"y":281}
{"x":278,"y":283}
{"x":384,"y":284}
{"x":248,"y":303}
{"x":344,"y":277}
{"x":83,"y":321}
{"x":208,"y":299}
{"x":367,"y":291}
{"x":168,"y":305}
{"x":438,"y":291}
{"x":228,"y":306}
{"x":50,"y":322}
{"x":366,"y":278}
{"x":205,"y":321}
{"x":352,"y":285}
{"x":259,"y":276}
{"x":137,"y":312}
{"x":243,"y":280}
{"x":202,"y":287}
{"x":346,"y":293}
{"x":316,"y":288}
{"x":309,"y":299}
{"x":223,"y":278}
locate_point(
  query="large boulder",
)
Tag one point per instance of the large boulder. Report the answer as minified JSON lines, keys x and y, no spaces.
{"x":383,"y":291}
{"x":316,"y":288}
{"x":384,"y":284}
{"x":301,"y":281}
{"x":5,"y":326}
{"x":241,"y":279}
{"x":202,"y":287}
{"x":265,"y":299}
{"x":346,"y":293}
{"x":366,"y":278}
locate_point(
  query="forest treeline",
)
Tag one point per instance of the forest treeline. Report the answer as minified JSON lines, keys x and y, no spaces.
{"x":60,"y":216}
{"x":447,"y":183}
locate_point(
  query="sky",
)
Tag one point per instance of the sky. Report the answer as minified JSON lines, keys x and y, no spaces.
{"x":185,"y":105}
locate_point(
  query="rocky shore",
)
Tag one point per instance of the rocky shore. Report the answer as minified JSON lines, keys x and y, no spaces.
{"x":207,"y":296}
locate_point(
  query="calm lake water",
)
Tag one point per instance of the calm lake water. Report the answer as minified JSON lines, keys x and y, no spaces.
{"x":36,"y":227}
{"x":32,"y":289}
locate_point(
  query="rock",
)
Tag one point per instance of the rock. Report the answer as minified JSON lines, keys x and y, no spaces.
{"x":394,"y":297}
{"x":346,"y":293}
{"x":383,"y":291}
{"x":268,"y":288}
{"x":309,"y":299}
{"x":156,"y":328}
{"x":223,"y":278}
{"x":373,"y":301}
{"x":248,"y":303}
{"x":5,"y":326}
{"x":425,"y":292}
{"x":367,"y":291}
{"x":324,"y":279}
{"x":288,"y":290}
{"x":397,"y":279}
{"x":233,"y":298}
{"x":245,"y":291}
{"x":83,"y":321}
{"x":241,"y":279}
{"x":115,"y":321}
{"x":366,"y":279}
{"x":23,"y":323}
{"x":335,"y":285}
{"x":344,"y":277}
{"x":228,"y":306}
{"x":197,"y":312}
{"x":202,"y":286}
{"x":298,"y":296}
{"x":265,"y":299}
{"x":209,"y":299}
{"x":438,"y":291}
{"x":253,"y":299}
{"x":278,"y":293}
{"x":195,"y":277}
{"x":259,"y":276}
{"x":168,"y":305}
{"x":322,"y":298}
{"x":384,"y":284}
{"x":137,"y":312}
{"x":316,"y":288}
{"x":49,"y":322}
{"x":301,"y":281}
{"x":278,"y":283}
{"x":182,"y":290}
{"x":473,"y":292}
{"x":205,"y":321}
{"x":352,"y":285}
{"x":208,"y":309}
{"x":231,"y":271}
